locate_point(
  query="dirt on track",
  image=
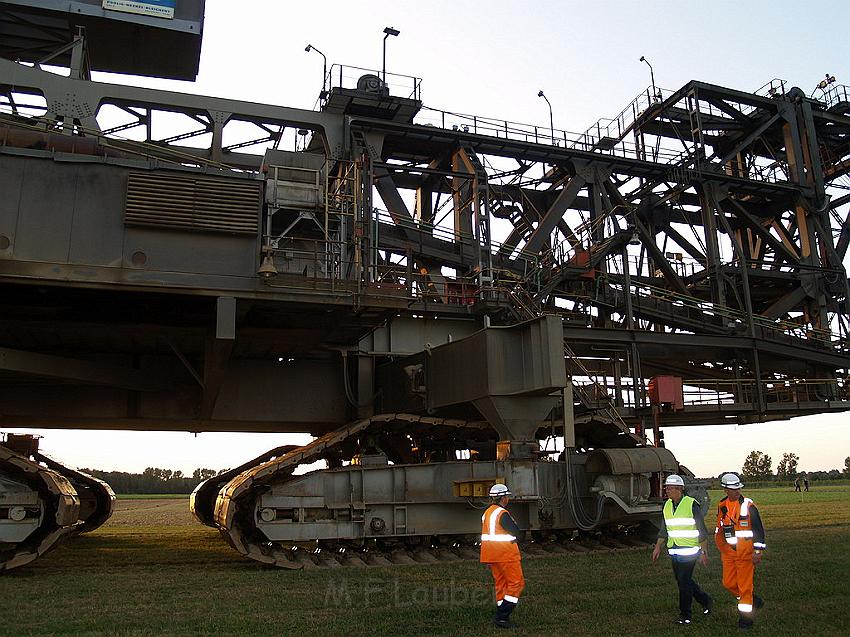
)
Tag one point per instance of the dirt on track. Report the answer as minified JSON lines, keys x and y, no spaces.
{"x":151,"y":512}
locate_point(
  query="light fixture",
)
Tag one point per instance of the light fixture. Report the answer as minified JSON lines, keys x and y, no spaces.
{"x":651,"y":75}
{"x":551,"y":120}
{"x":267,"y":269}
{"x":388,"y":31}
{"x":324,"y":92}
{"x":635,"y":240}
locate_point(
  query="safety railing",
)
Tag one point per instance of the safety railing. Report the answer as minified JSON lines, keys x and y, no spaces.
{"x":607,"y":131}
{"x":836,"y":94}
{"x":530,"y":133}
{"x":349,"y":77}
{"x":722,"y":394}
{"x":773,"y":88}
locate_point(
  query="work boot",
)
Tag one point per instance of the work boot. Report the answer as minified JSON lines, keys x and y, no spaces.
{"x":503,"y":615}
{"x":683,"y":621}
{"x":708,"y":606}
{"x":744,"y":622}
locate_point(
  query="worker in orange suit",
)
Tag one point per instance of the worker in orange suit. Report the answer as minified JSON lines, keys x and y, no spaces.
{"x":499,"y":550}
{"x":739,"y":535}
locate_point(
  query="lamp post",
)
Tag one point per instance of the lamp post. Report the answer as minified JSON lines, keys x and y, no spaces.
{"x":651,"y":75}
{"x":309,"y":48}
{"x":551,"y":120}
{"x":388,"y":31}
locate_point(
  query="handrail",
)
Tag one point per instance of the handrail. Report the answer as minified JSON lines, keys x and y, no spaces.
{"x":346,"y":76}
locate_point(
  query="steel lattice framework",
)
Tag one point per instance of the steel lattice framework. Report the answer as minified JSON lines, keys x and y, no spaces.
{"x":700,"y":233}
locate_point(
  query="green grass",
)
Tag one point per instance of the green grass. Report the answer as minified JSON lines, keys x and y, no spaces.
{"x":182,"y":579}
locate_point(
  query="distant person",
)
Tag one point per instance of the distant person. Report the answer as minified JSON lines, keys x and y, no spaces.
{"x":805,"y":484}
{"x":796,"y":484}
{"x":686,"y":538}
{"x":500,"y":552}
{"x":739,"y":535}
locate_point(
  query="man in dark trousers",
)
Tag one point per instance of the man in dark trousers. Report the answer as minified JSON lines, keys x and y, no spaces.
{"x":500,"y":552}
{"x":686,"y":538}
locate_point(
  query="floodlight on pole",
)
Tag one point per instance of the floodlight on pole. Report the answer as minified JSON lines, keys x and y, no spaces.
{"x":823,"y":84}
{"x":651,"y":75}
{"x":551,"y":119}
{"x":388,"y":31}
{"x":309,"y":48}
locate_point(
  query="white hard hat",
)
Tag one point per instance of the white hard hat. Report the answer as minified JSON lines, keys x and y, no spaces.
{"x":731,"y":481}
{"x":674,"y":481}
{"x":499,"y":490}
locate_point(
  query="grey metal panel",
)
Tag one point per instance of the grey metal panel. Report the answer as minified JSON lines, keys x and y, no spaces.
{"x":61,"y":212}
{"x":11,"y":183}
{"x":46,"y":214}
{"x":407,"y":335}
{"x":97,"y":232}
{"x":192,"y":252}
{"x":519,"y":360}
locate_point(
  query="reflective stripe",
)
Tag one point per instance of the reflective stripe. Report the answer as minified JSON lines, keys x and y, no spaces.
{"x":746,"y":533}
{"x":759,"y":545}
{"x":493,"y":535}
{"x":680,"y":522}
{"x":483,"y":516}
{"x":745,"y":507}
{"x":691,"y":533}
{"x":494,"y":516}
{"x":511,"y":598}
{"x":744,"y":608}
{"x":499,"y":603}
{"x":731,"y":540}
{"x":691,"y":550}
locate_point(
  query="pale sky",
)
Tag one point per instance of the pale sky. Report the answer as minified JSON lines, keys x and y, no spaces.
{"x":490,"y":58}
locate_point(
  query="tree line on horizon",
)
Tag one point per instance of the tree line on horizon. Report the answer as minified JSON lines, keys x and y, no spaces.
{"x":759,"y":466}
{"x":154,"y":480}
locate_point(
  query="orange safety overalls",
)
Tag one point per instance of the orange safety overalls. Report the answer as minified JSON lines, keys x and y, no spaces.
{"x":733,"y":535}
{"x":500,"y":551}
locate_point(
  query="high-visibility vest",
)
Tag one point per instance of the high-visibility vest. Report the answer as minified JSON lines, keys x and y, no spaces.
{"x":734,"y":530}
{"x":497,"y":545}
{"x":682,"y":532}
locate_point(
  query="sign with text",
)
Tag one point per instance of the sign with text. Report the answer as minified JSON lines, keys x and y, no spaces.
{"x":158,"y":8}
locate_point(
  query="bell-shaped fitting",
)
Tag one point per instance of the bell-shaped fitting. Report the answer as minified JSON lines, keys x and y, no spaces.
{"x":267,"y":269}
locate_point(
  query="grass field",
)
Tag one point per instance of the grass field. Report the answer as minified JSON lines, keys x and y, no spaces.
{"x":152,"y":571}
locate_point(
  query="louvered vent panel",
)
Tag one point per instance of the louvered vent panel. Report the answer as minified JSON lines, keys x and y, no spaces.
{"x":192,"y":202}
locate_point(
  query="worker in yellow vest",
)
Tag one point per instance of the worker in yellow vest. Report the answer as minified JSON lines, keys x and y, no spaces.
{"x":739,"y":535}
{"x":686,"y":538}
{"x":499,"y":550}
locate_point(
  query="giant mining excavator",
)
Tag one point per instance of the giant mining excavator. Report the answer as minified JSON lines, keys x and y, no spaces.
{"x":444,"y":301}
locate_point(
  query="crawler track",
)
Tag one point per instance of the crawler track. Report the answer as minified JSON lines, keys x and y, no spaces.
{"x":238,"y":490}
{"x":69,"y":502}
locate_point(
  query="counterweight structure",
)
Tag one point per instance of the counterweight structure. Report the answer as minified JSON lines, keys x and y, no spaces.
{"x":405,"y":283}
